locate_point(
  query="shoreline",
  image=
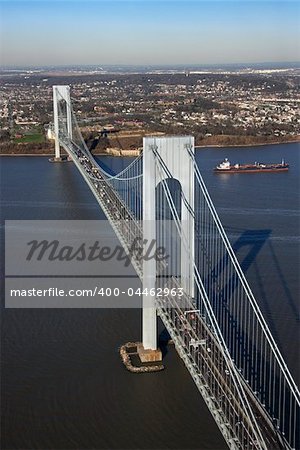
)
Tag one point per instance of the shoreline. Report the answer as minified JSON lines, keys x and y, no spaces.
{"x":263,"y":144}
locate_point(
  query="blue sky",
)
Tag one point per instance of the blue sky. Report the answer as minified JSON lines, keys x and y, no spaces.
{"x":148,"y":32}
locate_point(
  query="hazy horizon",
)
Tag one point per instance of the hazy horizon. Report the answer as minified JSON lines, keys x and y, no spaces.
{"x":148,"y":33}
{"x":250,"y":65}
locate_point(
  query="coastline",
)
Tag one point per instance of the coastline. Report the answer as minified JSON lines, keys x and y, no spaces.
{"x":26,"y":154}
{"x":262,"y":144}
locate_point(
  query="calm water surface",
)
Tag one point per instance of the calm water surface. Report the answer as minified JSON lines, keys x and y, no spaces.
{"x":63,"y":386}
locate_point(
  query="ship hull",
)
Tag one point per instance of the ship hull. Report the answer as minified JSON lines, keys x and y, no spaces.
{"x":249,"y":170}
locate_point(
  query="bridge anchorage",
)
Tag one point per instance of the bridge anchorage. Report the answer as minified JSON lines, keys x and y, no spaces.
{"x":208,"y":308}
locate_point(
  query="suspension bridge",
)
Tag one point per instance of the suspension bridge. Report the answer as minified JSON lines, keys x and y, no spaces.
{"x":210,"y":311}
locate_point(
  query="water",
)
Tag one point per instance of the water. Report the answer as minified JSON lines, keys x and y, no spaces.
{"x":63,"y":386}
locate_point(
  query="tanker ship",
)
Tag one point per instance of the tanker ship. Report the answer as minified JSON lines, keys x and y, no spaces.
{"x":226,"y":167}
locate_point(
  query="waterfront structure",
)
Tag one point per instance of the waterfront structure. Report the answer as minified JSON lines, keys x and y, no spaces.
{"x":209,"y":309}
{"x":61,"y":93}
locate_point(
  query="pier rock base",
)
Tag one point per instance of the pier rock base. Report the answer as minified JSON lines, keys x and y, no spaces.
{"x":138,"y":360}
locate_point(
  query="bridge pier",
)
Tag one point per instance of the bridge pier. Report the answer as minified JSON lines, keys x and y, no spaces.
{"x":63,"y":158}
{"x":172,"y":152}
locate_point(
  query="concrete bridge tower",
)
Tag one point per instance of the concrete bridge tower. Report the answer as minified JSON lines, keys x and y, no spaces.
{"x":172,"y":153}
{"x":61,"y":95}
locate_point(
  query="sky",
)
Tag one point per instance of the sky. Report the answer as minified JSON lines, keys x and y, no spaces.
{"x":77,"y":32}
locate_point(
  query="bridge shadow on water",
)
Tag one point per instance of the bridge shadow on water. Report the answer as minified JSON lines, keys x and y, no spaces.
{"x":282,"y":281}
{"x":255,"y":240}
{"x":252,"y":241}
{"x":248,"y":247}
{"x":111,"y":164}
{"x":107,"y":167}
{"x":259,"y":262}
{"x":250,"y":244}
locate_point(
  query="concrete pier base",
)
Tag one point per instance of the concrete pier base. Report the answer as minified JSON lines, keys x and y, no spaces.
{"x":60,"y":159}
{"x":148,"y":355}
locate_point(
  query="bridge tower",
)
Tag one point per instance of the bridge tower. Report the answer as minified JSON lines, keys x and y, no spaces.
{"x":61,"y":99}
{"x":172,"y":153}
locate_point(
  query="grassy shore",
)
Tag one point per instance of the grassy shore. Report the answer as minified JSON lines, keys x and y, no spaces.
{"x":36,"y":138}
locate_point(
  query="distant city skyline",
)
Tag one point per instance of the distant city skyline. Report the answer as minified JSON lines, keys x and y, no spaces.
{"x":36,"y":33}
